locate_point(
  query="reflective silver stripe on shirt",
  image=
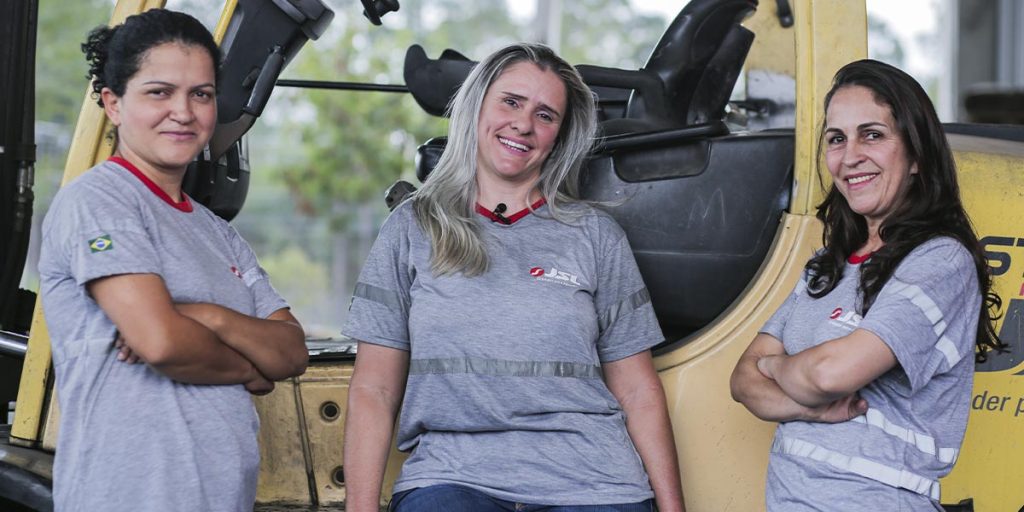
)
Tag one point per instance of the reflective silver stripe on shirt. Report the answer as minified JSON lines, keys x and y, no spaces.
{"x":923,"y":442}
{"x":623,"y":308}
{"x":858,"y":465}
{"x":919,"y":298}
{"x":504,"y":368}
{"x":251,"y":276}
{"x":378,"y":295}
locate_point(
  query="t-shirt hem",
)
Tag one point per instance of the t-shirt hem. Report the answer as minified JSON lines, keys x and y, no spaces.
{"x":905,"y":360}
{"x":97,"y":273}
{"x":376,"y":340}
{"x":623,"y":352}
{"x":576,"y":499}
{"x":266,"y":311}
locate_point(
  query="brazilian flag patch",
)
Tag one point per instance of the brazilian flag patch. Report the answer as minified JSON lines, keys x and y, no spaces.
{"x":101,"y":243}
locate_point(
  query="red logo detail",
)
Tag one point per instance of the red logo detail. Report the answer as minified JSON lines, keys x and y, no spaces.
{"x":236,"y":272}
{"x":536,"y":271}
{"x":836,"y":313}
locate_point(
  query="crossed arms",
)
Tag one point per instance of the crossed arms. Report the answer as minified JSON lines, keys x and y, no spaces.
{"x":818,"y":384}
{"x":200,"y":343}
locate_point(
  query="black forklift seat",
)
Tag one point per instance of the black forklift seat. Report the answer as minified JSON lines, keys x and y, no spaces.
{"x":687,"y":79}
{"x":699,"y":205}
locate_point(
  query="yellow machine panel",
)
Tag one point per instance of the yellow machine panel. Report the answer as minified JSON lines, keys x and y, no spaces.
{"x":990,"y":465}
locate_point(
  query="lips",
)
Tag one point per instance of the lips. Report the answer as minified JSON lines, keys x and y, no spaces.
{"x":860,"y":179}
{"x":513,"y":145}
{"x":179,"y":136}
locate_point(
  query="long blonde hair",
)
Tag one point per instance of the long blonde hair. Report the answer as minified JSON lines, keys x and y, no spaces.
{"x":444,"y":206}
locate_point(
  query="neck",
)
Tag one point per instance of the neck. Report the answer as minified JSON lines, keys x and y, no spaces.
{"x":515,"y":197}
{"x":873,"y":243}
{"x":169,"y":180}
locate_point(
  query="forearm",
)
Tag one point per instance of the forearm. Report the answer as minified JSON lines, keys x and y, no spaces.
{"x":800,"y":378}
{"x":275,"y":347}
{"x":762,"y":396}
{"x":650,"y":429}
{"x":199,"y":357}
{"x":369,"y":426}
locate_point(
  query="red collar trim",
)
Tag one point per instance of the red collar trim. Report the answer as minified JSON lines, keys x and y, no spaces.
{"x":857,"y":260}
{"x":184,"y":205}
{"x":511,"y":218}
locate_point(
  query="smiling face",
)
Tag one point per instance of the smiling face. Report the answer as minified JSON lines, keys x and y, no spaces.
{"x":168,"y":110}
{"x":866,"y":155}
{"x":519,"y":123}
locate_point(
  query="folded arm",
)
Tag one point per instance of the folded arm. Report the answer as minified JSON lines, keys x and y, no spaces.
{"x":635,"y":383}
{"x":765,"y":398}
{"x":173,"y":344}
{"x":275,"y":345}
{"x":829,"y":371}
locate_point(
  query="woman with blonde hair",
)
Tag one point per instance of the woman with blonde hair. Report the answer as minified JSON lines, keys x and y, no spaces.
{"x":509,"y":320}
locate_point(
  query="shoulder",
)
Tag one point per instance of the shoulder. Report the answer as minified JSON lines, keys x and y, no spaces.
{"x":941,"y":251}
{"x":99,"y":183}
{"x":939,"y":258}
{"x":399,"y":220}
{"x":596,"y":221}
{"x":100,"y":190}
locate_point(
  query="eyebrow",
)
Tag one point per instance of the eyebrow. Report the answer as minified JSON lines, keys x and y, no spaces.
{"x":169,"y":84}
{"x":542,"y":105}
{"x":859,"y":127}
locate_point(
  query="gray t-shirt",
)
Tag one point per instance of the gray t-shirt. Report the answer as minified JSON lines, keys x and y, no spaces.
{"x":505,"y":391}
{"x":892,"y":457}
{"x":132,"y":439}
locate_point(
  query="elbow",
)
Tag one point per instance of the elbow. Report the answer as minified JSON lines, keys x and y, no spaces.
{"x":298,"y":356}
{"x":293,"y":362}
{"x":829,"y":381}
{"x":159,"y":349}
{"x":734,"y":390}
{"x":298,"y":362}
{"x":738,"y":384}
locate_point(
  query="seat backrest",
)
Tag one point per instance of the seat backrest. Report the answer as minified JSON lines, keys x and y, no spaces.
{"x":682,"y":56}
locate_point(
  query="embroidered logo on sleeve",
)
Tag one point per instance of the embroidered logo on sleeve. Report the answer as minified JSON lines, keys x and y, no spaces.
{"x":101,"y":243}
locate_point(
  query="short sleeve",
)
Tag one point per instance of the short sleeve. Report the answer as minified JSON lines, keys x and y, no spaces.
{"x":265,"y":297}
{"x":626,"y":321}
{"x":93,"y":234}
{"x":379,"y":312}
{"x":776,"y":325}
{"x":928,"y":311}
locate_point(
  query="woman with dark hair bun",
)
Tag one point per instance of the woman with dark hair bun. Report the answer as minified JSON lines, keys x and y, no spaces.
{"x":868,"y":365}
{"x":133,"y":271}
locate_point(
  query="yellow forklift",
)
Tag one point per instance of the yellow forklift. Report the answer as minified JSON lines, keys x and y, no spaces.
{"x":721,"y":219}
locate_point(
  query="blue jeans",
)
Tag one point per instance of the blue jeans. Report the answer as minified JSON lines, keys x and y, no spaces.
{"x":456,"y":498}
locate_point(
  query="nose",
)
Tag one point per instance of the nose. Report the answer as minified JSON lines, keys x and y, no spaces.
{"x":522,"y":122}
{"x":853,"y":153}
{"x":181,"y":109}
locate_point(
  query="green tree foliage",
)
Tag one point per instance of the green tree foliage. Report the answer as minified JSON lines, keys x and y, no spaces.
{"x":60,"y":64}
{"x":354,"y":145}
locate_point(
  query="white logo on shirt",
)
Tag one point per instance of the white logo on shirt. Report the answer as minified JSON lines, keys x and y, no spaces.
{"x":849,"y":319}
{"x":555,"y":276}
